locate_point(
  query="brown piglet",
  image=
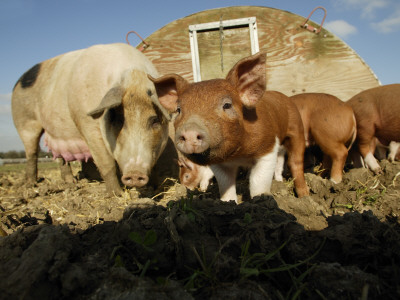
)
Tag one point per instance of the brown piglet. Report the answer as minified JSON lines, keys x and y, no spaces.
{"x":233,"y":122}
{"x":329,"y":123}
{"x":377,"y":112}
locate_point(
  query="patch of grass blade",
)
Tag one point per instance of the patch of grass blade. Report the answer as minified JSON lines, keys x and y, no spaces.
{"x":256,"y":264}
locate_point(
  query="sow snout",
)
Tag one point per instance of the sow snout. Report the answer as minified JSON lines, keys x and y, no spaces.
{"x":192,"y":137}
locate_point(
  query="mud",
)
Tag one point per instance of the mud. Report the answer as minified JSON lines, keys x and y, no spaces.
{"x":71,"y":241}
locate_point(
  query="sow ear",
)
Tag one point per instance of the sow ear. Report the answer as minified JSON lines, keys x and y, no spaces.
{"x":113,"y":98}
{"x":248,"y":77}
{"x":168,"y":88}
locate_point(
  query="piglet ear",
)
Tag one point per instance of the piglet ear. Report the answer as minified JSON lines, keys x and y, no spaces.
{"x":249,"y":79}
{"x":184,"y":163}
{"x":113,"y":98}
{"x":168,"y":88}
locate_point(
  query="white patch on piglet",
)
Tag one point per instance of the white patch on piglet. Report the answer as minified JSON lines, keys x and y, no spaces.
{"x":206,"y":174}
{"x":393,"y":148}
{"x":262,"y":172}
{"x":226,"y":178}
{"x":280,"y":163}
{"x":371,"y":162}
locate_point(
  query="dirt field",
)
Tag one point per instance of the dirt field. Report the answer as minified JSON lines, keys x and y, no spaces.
{"x":70,"y":241}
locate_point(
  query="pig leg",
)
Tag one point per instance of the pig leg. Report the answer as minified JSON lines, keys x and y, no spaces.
{"x":226,"y":178}
{"x":338,"y":154}
{"x":366,"y":145}
{"x":108,"y":171}
{"x":366,"y":151}
{"x":280,"y":164}
{"x":335,"y":155}
{"x":262,"y":172}
{"x":393,"y":148}
{"x":106,"y":165}
{"x":207,"y":175}
{"x":66,"y":172}
{"x":104,"y":161}
{"x":30,"y":135}
{"x":295,"y":147}
{"x":326,"y":164}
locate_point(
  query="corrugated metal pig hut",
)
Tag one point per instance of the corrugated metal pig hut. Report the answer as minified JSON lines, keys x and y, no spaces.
{"x":207,"y":44}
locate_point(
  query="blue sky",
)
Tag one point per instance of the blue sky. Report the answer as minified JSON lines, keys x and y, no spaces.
{"x":34,"y":30}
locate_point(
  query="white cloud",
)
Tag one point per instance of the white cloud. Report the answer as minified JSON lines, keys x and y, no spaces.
{"x":389,"y":24}
{"x":341,"y":28}
{"x":368,"y":7}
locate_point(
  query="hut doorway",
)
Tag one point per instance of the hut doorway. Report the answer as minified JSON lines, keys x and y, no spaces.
{"x":217,"y":46}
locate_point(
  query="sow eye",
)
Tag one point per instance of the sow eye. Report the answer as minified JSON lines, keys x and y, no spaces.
{"x":154,"y":122}
{"x":178,"y":110}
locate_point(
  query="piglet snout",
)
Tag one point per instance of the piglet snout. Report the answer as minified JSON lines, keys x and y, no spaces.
{"x":192,"y":140}
{"x":135,"y":179}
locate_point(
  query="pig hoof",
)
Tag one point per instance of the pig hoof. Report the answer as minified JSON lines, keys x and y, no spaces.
{"x":69,"y":179}
{"x":203,"y":187}
{"x":336,"y":181}
{"x":30,"y":184}
{"x":115,"y":192}
{"x":303,"y":193}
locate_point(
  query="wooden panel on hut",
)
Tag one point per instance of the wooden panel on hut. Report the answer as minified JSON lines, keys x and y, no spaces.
{"x":297,"y":60}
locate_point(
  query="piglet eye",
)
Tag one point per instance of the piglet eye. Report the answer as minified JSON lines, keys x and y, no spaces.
{"x":178,"y":110}
{"x":227,"y":105}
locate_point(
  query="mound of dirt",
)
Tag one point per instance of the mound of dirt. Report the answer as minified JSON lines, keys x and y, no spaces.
{"x":70,"y":241}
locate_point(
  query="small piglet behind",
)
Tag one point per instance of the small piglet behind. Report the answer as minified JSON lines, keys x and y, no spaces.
{"x":391,"y":151}
{"x":192,"y":175}
{"x":233,"y":122}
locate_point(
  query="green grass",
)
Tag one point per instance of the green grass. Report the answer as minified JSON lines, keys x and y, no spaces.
{"x":21,"y":167}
